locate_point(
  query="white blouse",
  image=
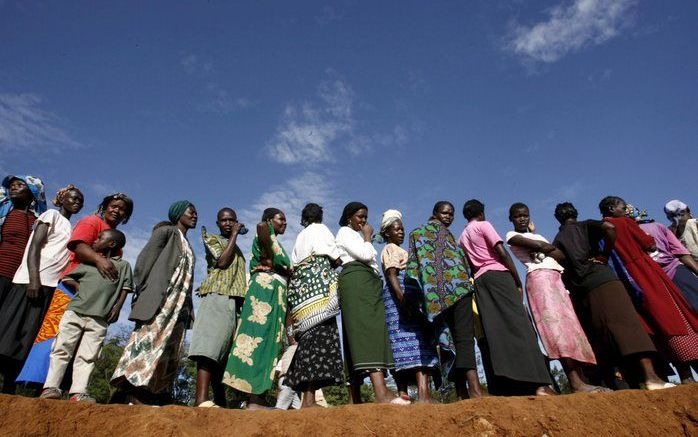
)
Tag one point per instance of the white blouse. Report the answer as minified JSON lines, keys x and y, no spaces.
{"x":353,"y":248}
{"x":315,"y":239}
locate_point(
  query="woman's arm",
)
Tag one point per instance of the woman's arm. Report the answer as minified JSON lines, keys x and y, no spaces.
{"x":394,"y":284}
{"x":34,"y":259}
{"x":87,"y":255}
{"x":505,"y":258}
{"x":228,"y":255}
{"x":533,"y":245}
{"x":609,"y":238}
{"x":690,"y":263}
{"x":359,"y":250}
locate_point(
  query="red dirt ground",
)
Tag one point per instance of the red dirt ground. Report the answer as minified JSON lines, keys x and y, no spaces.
{"x":671,"y":412}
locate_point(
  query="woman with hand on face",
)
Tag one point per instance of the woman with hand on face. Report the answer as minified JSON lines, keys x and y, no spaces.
{"x":549,"y":301}
{"x":258,"y":341}
{"x":161,"y":308}
{"x":415,"y":357}
{"x":21,"y":201}
{"x":366,"y":346}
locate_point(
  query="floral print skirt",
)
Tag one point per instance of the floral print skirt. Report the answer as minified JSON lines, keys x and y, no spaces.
{"x":257,"y":345}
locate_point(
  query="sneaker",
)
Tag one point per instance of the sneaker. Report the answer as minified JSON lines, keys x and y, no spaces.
{"x":51,"y":393}
{"x":82,"y":397}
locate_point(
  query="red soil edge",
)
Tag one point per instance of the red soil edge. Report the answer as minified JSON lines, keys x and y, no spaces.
{"x":671,"y":412}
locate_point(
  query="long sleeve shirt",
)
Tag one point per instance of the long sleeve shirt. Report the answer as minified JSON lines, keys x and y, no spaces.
{"x":352,"y":247}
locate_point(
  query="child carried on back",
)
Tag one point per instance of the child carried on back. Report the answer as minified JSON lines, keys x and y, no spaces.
{"x":83,"y":327}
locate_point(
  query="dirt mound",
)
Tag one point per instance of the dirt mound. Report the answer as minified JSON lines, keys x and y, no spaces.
{"x":660,"y":413}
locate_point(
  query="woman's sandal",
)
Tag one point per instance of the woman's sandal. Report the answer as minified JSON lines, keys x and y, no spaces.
{"x":658,"y":386}
{"x":208,"y":404}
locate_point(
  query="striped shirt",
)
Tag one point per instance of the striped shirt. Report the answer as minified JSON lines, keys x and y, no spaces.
{"x":15,"y":236}
{"x":227,"y":282}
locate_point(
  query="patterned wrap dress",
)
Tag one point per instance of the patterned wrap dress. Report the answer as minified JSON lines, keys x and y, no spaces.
{"x":411,"y":344}
{"x":258,"y":341}
{"x":151,"y":357}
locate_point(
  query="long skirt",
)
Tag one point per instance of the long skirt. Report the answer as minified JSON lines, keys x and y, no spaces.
{"x":151,"y":357}
{"x":611,"y":322}
{"x":554,"y":317}
{"x":317,"y":361}
{"x":513,"y":348}
{"x":20,"y":320}
{"x":411,"y":344}
{"x":687,"y":282}
{"x":257,"y":344}
{"x":366,"y":345}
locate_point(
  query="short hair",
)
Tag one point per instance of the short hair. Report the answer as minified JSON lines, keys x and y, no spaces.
{"x":117,"y":237}
{"x":472,"y":208}
{"x":441,"y":203}
{"x":564,"y":211}
{"x":117,"y":196}
{"x":269,"y":213}
{"x":516,"y":205}
{"x":225,"y":209}
{"x":312,"y":213}
{"x":608,"y":202}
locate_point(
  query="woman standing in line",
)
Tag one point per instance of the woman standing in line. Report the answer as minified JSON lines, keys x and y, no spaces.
{"x":661,"y":305}
{"x":114,"y":210}
{"x":413,"y":351}
{"x":313,"y":305}
{"x":21,"y":201}
{"x":161,"y":308}
{"x":366,"y":346}
{"x":437,"y":273}
{"x":257,"y":344}
{"x":549,"y":301}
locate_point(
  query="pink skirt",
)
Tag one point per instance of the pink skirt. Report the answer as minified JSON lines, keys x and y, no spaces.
{"x":555,"y":319}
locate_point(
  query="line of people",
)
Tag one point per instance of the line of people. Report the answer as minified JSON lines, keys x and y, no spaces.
{"x":606,"y":296}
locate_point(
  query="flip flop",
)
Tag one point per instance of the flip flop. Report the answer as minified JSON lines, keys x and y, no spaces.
{"x":208,"y":404}
{"x":400,"y":401}
{"x":655,"y":386}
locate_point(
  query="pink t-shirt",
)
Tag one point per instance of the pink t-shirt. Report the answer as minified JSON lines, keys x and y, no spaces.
{"x":478,"y":240}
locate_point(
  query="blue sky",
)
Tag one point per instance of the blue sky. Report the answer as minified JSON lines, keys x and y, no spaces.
{"x":396,"y":104}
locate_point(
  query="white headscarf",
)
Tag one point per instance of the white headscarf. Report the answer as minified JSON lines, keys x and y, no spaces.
{"x":390,"y":217}
{"x":674,"y":208}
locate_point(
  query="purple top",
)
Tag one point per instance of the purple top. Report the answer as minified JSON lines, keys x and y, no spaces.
{"x":669,"y":248}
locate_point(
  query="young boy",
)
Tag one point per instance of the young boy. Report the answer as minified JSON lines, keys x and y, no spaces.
{"x":517,"y":363}
{"x":96,"y":304}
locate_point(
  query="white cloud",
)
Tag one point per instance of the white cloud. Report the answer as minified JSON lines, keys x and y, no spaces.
{"x":25,"y":125}
{"x":308,"y":131}
{"x":571,"y":27}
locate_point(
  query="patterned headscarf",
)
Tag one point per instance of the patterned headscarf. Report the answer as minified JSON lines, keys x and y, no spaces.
{"x":38,"y":204}
{"x":177,"y":210}
{"x":636,"y":214}
{"x":62,"y":192}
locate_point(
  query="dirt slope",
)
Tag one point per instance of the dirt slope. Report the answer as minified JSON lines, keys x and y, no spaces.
{"x":662,"y":413}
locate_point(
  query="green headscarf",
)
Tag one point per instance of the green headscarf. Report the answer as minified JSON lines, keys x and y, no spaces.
{"x":177,"y":209}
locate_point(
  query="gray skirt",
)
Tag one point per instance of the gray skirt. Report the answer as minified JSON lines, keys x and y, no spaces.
{"x":214,"y":328}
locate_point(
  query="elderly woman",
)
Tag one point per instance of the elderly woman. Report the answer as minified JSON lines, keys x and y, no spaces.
{"x":114,"y":210}
{"x":414,"y":353}
{"x":161,"y":308}
{"x":313,"y":305}
{"x":437,"y":274}
{"x":367,"y":346}
{"x":257,"y":344}
{"x":21,"y":201}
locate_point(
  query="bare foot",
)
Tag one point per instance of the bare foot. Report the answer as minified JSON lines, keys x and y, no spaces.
{"x":587,"y":388}
{"x":475,"y":393}
{"x":546,"y":390}
{"x":313,"y":405}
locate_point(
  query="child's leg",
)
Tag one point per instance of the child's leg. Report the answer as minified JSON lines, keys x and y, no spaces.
{"x":69,"y":333}
{"x":94,"y":331}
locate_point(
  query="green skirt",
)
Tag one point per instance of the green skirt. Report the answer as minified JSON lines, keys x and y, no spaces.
{"x":257,"y":345}
{"x":366,"y":343}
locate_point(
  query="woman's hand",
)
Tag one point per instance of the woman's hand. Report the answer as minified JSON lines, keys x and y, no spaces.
{"x":261,"y":268}
{"x":33,"y":289}
{"x":599,"y":259}
{"x":114,"y":314}
{"x":367,"y":232}
{"x":106,"y":268}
